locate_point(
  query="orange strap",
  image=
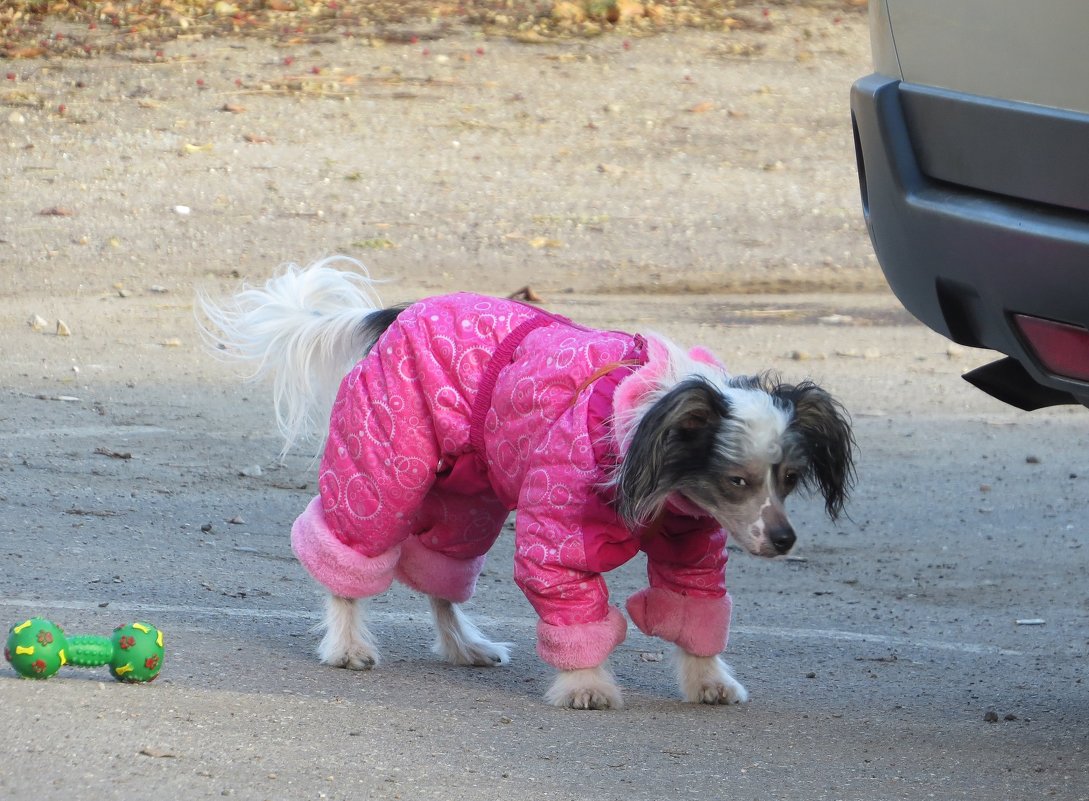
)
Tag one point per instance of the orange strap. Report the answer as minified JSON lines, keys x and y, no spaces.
{"x":601,"y":372}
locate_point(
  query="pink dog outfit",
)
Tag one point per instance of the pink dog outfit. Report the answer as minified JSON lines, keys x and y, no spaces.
{"x":468,"y":407}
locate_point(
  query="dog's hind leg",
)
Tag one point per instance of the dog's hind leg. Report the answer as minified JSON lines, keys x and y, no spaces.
{"x":460,"y":642}
{"x":348,"y":642}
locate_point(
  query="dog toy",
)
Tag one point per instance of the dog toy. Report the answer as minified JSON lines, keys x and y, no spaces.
{"x":38,"y":648}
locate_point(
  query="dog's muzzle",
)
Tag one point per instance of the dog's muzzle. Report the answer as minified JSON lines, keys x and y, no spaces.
{"x":782,"y":539}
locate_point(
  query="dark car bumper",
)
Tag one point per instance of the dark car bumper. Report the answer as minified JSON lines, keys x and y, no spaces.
{"x":979,"y":211}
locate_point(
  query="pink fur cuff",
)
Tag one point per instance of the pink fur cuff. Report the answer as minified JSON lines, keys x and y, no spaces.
{"x":341,"y":569}
{"x":701,"y":626}
{"x":581,"y":645}
{"x":433,"y":573}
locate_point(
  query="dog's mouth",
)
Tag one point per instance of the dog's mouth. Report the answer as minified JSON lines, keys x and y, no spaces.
{"x":764,"y":538}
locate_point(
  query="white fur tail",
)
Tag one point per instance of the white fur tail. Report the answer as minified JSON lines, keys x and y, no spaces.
{"x":305,"y":329}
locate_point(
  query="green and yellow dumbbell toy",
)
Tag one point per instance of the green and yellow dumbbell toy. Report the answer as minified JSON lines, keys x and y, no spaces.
{"x":38,"y":648}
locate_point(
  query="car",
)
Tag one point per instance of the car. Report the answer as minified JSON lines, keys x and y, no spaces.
{"x":972,"y":141}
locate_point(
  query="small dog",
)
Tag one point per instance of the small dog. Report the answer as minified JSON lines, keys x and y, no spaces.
{"x":446,"y":414}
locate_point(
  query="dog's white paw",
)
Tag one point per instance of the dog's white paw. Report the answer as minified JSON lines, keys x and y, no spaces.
{"x":353,"y":656}
{"x":591,"y":688}
{"x":460,"y":642}
{"x":477,"y":654}
{"x":707,"y":680}
{"x":347,"y":642}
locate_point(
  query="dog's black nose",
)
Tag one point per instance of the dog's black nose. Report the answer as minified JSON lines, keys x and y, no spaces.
{"x":782,"y":539}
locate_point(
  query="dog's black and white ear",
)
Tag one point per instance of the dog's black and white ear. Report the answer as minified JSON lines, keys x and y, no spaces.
{"x":675,"y":438}
{"x":824,"y":430}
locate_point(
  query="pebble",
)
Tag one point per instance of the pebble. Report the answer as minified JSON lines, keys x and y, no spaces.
{"x":836,"y":319}
{"x":62,"y":329}
{"x":954,"y":351}
{"x":16,"y":118}
{"x":37,"y":323}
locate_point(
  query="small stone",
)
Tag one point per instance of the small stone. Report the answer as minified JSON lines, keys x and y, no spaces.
{"x":37,"y":323}
{"x":990,"y":716}
{"x":253,"y":471}
{"x":62,"y":329}
{"x":836,"y":319}
{"x":1032,"y":460}
{"x":15,"y":118}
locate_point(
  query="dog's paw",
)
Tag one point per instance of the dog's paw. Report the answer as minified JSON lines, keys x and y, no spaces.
{"x":591,"y":688}
{"x":707,"y":680}
{"x":460,"y":642}
{"x":476,"y":654}
{"x":729,"y":691}
{"x":347,"y":642}
{"x":353,"y":656}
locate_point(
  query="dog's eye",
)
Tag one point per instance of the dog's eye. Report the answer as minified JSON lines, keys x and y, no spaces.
{"x":791,"y":478}
{"x":738,"y":481}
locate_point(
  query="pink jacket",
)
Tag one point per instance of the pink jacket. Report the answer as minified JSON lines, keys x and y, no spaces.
{"x":468,"y":407}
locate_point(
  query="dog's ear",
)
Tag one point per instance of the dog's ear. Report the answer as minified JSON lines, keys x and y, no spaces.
{"x":675,"y":437}
{"x":824,"y":428}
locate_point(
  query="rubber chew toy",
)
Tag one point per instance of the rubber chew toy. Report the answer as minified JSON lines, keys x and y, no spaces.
{"x":38,"y":648}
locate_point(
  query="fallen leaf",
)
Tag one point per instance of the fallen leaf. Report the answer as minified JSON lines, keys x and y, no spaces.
{"x":232,"y":108}
{"x":56,"y":211}
{"x":539,"y":242}
{"x":701,"y":108}
{"x":26,"y":52}
{"x":526,"y":293}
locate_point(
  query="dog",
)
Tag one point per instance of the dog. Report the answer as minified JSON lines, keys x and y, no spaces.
{"x":442,"y":416}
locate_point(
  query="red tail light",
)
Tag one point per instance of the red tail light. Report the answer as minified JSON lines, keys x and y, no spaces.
{"x":1062,"y":349}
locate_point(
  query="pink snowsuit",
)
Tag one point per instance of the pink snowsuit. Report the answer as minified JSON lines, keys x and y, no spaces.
{"x":468,"y":407}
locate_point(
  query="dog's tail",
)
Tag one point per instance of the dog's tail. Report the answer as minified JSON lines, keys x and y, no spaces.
{"x":304,"y":329}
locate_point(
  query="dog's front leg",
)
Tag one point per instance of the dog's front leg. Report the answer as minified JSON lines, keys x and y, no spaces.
{"x":707,"y":680}
{"x":587,"y":688}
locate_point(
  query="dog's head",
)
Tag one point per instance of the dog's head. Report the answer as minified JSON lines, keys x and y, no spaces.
{"x":736,"y":448}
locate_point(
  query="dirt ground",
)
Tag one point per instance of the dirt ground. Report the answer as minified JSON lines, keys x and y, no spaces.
{"x":697,"y":183}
